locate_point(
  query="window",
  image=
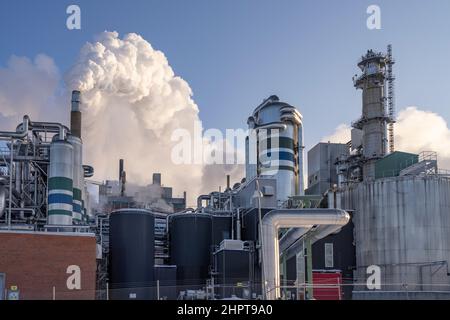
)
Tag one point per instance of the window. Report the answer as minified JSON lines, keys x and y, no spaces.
{"x":329,"y":261}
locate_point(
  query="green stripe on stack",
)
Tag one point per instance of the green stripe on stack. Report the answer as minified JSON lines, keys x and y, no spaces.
{"x":60,"y":183}
{"x":60,"y":212}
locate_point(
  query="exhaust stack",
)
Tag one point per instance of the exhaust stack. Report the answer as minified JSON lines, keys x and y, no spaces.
{"x":75,"y":114}
{"x":122,"y":177}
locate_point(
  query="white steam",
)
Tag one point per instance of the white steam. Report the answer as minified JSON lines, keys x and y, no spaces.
{"x":415,"y":131}
{"x":132,"y":103}
{"x":340,"y":135}
{"x":29,"y":87}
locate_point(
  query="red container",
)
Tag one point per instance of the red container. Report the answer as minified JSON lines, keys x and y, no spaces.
{"x":327,"y":285}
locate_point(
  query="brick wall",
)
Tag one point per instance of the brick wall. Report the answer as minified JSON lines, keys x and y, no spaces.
{"x":37,"y":262}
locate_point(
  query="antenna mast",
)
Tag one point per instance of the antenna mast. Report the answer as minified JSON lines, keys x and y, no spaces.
{"x":391,"y":98}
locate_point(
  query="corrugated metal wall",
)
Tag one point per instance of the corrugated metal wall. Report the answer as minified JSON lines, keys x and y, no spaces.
{"x":402,"y":224}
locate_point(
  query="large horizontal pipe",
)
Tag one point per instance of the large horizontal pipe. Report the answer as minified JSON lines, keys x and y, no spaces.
{"x":23,"y":128}
{"x":325,"y":221}
{"x":55,"y":127}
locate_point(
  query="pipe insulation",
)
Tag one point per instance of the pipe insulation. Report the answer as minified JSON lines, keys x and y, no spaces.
{"x":318,"y":222}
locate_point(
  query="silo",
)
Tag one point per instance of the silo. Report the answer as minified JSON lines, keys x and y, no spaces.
{"x":78,"y":178}
{"x":60,"y":183}
{"x":132,"y":254}
{"x":190,"y":248}
{"x":279,"y":144}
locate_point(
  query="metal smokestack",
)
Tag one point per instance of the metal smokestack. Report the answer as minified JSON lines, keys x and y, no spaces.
{"x":157,"y":179}
{"x":122,"y":178}
{"x":120,"y":168}
{"x":75,"y":114}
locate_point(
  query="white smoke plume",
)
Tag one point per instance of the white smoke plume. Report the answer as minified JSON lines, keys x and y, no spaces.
{"x":132,"y":103}
{"x":30,"y":87}
{"x":340,"y":135}
{"x":415,"y":131}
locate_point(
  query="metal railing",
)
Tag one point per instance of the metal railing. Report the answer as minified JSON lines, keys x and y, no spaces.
{"x":346,"y":290}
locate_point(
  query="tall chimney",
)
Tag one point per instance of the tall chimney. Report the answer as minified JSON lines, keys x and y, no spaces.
{"x":122,"y":178}
{"x":228,"y":182}
{"x":75,"y":114}
{"x":120,"y":169}
{"x":157,"y":179}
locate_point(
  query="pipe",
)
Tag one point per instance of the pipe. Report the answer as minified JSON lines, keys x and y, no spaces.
{"x":201,"y":198}
{"x":238,"y":224}
{"x":50,"y":127}
{"x":20,"y":133}
{"x":2,"y":196}
{"x":75,"y":114}
{"x":327,"y":221}
{"x":37,"y":126}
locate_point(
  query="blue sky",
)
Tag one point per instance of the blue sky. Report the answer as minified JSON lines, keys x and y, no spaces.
{"x":236,"y":53}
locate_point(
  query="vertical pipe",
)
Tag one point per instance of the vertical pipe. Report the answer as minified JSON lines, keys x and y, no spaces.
{"x":107,"y":291}
{"x":309,"y":288}
{"x":238,"y":225}
{"x":232,"y":225}
{"x":283,"y":267}
{"x":228,"y":181}
{"x":157,"y":289}
{"x":261,"y":244}
{"x":10,"y":183}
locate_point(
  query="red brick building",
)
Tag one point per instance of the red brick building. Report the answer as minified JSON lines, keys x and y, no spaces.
{"x":37,"y":263}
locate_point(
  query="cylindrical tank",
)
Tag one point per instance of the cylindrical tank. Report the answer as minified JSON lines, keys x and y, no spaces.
{"x":190,"y":248}
{"x":132,"y":254}
{"x":279,"y":146}
{"x":60,"y":183}
{"x":78,"y":178}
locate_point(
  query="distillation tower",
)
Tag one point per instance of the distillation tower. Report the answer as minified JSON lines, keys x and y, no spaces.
{"x":376,"y":70}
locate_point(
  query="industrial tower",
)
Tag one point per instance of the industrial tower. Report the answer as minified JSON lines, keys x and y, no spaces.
{"x":375,"y":120}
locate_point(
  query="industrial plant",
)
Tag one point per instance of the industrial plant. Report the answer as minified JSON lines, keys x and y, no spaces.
{"x":278,"y":233}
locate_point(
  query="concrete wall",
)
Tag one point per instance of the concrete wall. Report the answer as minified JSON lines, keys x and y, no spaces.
{"x":35,"y":262}
{"x":402,"y":224}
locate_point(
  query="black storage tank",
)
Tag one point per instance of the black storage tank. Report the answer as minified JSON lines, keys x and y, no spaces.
{"x":190,"y":248}
{"x":132,"y":254}
{"x":166,"y":276}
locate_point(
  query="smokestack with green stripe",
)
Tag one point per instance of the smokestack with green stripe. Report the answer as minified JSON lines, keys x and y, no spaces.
{"x":78,"y":179}
{"x":60,"y":183}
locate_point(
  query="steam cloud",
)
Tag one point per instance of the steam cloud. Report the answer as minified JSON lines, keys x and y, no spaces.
{"x":132,"y":102}
{"x":29,"y":87}
{"x":415,"y":131}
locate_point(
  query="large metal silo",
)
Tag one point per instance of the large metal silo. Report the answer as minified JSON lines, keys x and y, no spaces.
{"x":132,"y":253}
{"x":190,"y":248}
{"x":278,"y":129}
{"x":60,"y":183}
